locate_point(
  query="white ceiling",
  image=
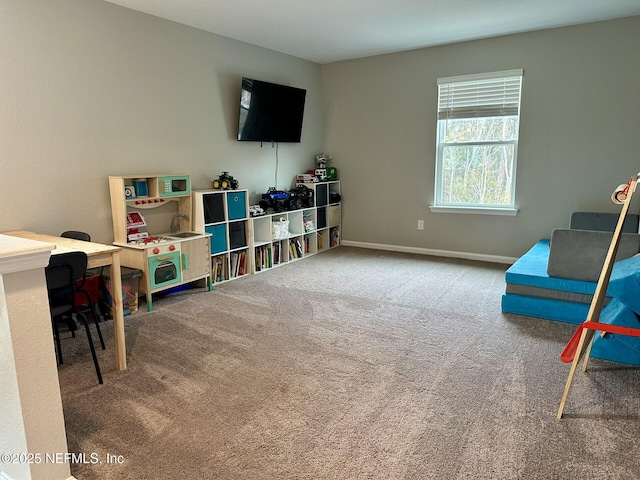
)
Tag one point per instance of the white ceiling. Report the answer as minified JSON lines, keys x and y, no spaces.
{"x":325,"y":31}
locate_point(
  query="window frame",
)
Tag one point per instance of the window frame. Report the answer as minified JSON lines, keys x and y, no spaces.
{"x":483,"y":108}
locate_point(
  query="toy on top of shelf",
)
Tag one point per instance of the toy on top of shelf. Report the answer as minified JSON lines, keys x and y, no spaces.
{"x":308,"y":177}
{"x":277,"y":200}
{"x":256,"y":211}
{"x":323,"y":172}
{"x":323,"y":159}
{"x":225,"y":182}
{"x":301,"y":197}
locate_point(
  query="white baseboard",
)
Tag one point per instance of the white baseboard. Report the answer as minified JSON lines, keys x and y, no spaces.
{"x":431,"y":251}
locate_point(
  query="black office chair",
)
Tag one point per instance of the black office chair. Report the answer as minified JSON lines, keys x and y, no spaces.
{"x":75,"y":234}
{"x":81,"y":286}
{"x":62,"y":273}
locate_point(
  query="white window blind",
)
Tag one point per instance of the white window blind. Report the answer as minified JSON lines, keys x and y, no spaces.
{"x":495,"y":94}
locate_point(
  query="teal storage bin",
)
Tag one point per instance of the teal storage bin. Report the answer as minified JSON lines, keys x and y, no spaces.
{"x":218,"y":238}
{"x":236,"y":205}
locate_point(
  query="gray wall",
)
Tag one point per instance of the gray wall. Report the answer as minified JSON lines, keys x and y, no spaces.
{"x":579,"y":133}
{"x":90,"y":89}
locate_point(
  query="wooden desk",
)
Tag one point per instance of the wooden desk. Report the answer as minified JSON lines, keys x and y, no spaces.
{"x":98,"y":255}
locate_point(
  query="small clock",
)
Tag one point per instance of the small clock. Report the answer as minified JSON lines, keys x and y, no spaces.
{"x":129,"y":191}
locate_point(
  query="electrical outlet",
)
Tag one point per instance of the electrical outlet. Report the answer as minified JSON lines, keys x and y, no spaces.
{"x":420,"y":224}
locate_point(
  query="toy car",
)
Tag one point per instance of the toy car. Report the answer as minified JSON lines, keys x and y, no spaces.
{"x":225,"y":182}
{"x":277,"y":200}
{"x":306,"y":178}
{"x":256,"y":211}
{"x":301,"y":197}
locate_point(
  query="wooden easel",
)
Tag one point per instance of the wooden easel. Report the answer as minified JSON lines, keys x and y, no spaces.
{"x":582,"y":339}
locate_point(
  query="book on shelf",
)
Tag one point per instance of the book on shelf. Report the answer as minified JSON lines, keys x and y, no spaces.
{"x":219,"y":269}
{"x":241,"y":264}
{"x":276,"y":254}
{"x":238,"y":264}
{"x":307,"y":221}
{"x":234,"y":264}
{"x":263,"y":257}
{"x":334,"y":237}
{"x":259,"y":258}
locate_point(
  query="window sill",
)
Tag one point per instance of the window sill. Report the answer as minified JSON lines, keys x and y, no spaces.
{"x":511,"y":212}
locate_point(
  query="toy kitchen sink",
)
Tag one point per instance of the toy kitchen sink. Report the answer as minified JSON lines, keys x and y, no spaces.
{"x":185,"y":234}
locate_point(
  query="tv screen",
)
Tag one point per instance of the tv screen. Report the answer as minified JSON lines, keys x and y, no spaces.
{"x":270,"y":112}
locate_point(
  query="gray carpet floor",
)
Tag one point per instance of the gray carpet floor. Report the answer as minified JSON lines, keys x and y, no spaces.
{"x":351,"y":364}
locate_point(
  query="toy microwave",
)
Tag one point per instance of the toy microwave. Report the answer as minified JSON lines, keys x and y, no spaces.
{"x":171,"y":186}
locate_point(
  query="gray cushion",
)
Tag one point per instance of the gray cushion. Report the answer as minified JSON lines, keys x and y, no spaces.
{"x":580,"y":254}
{"x":605,"y":222}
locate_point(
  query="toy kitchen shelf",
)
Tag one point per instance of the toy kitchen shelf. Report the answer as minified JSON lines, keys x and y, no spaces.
{"x":173,"y":259}
{"x":224,"y":214}
{"x":311,"y":230}
{"x":137,"y":192}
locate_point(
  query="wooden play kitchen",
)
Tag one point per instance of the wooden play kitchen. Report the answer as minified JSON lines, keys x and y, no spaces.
{"x":226,"y":243}
{"x":166,"y":259}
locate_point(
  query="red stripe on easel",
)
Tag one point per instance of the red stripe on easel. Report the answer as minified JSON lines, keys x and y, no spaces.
{"x":569,"y":351}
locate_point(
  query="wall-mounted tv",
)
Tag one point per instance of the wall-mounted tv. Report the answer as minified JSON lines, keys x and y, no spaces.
{"x":270,"y":112}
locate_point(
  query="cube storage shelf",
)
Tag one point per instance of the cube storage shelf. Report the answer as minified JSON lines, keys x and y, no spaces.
{"x":242,"y":245}
{"x":311,"y":230}
{"x":225,"y":215}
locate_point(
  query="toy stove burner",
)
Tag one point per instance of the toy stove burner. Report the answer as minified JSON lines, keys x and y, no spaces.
{"x":153,"y":240}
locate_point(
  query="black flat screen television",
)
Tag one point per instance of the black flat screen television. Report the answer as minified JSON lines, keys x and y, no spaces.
{"x":270,"y":112}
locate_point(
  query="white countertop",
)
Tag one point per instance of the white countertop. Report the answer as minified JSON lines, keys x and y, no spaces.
{"x":170,"y":238}
{"x":20,"y":254}
{"x":11,"y":246}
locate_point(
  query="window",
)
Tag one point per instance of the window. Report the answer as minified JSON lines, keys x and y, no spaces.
{"x":477,"y":142}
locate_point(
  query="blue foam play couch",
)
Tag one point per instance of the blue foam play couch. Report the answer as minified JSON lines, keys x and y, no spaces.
{"x":623,"y":310}
{"x":557,"y":277}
